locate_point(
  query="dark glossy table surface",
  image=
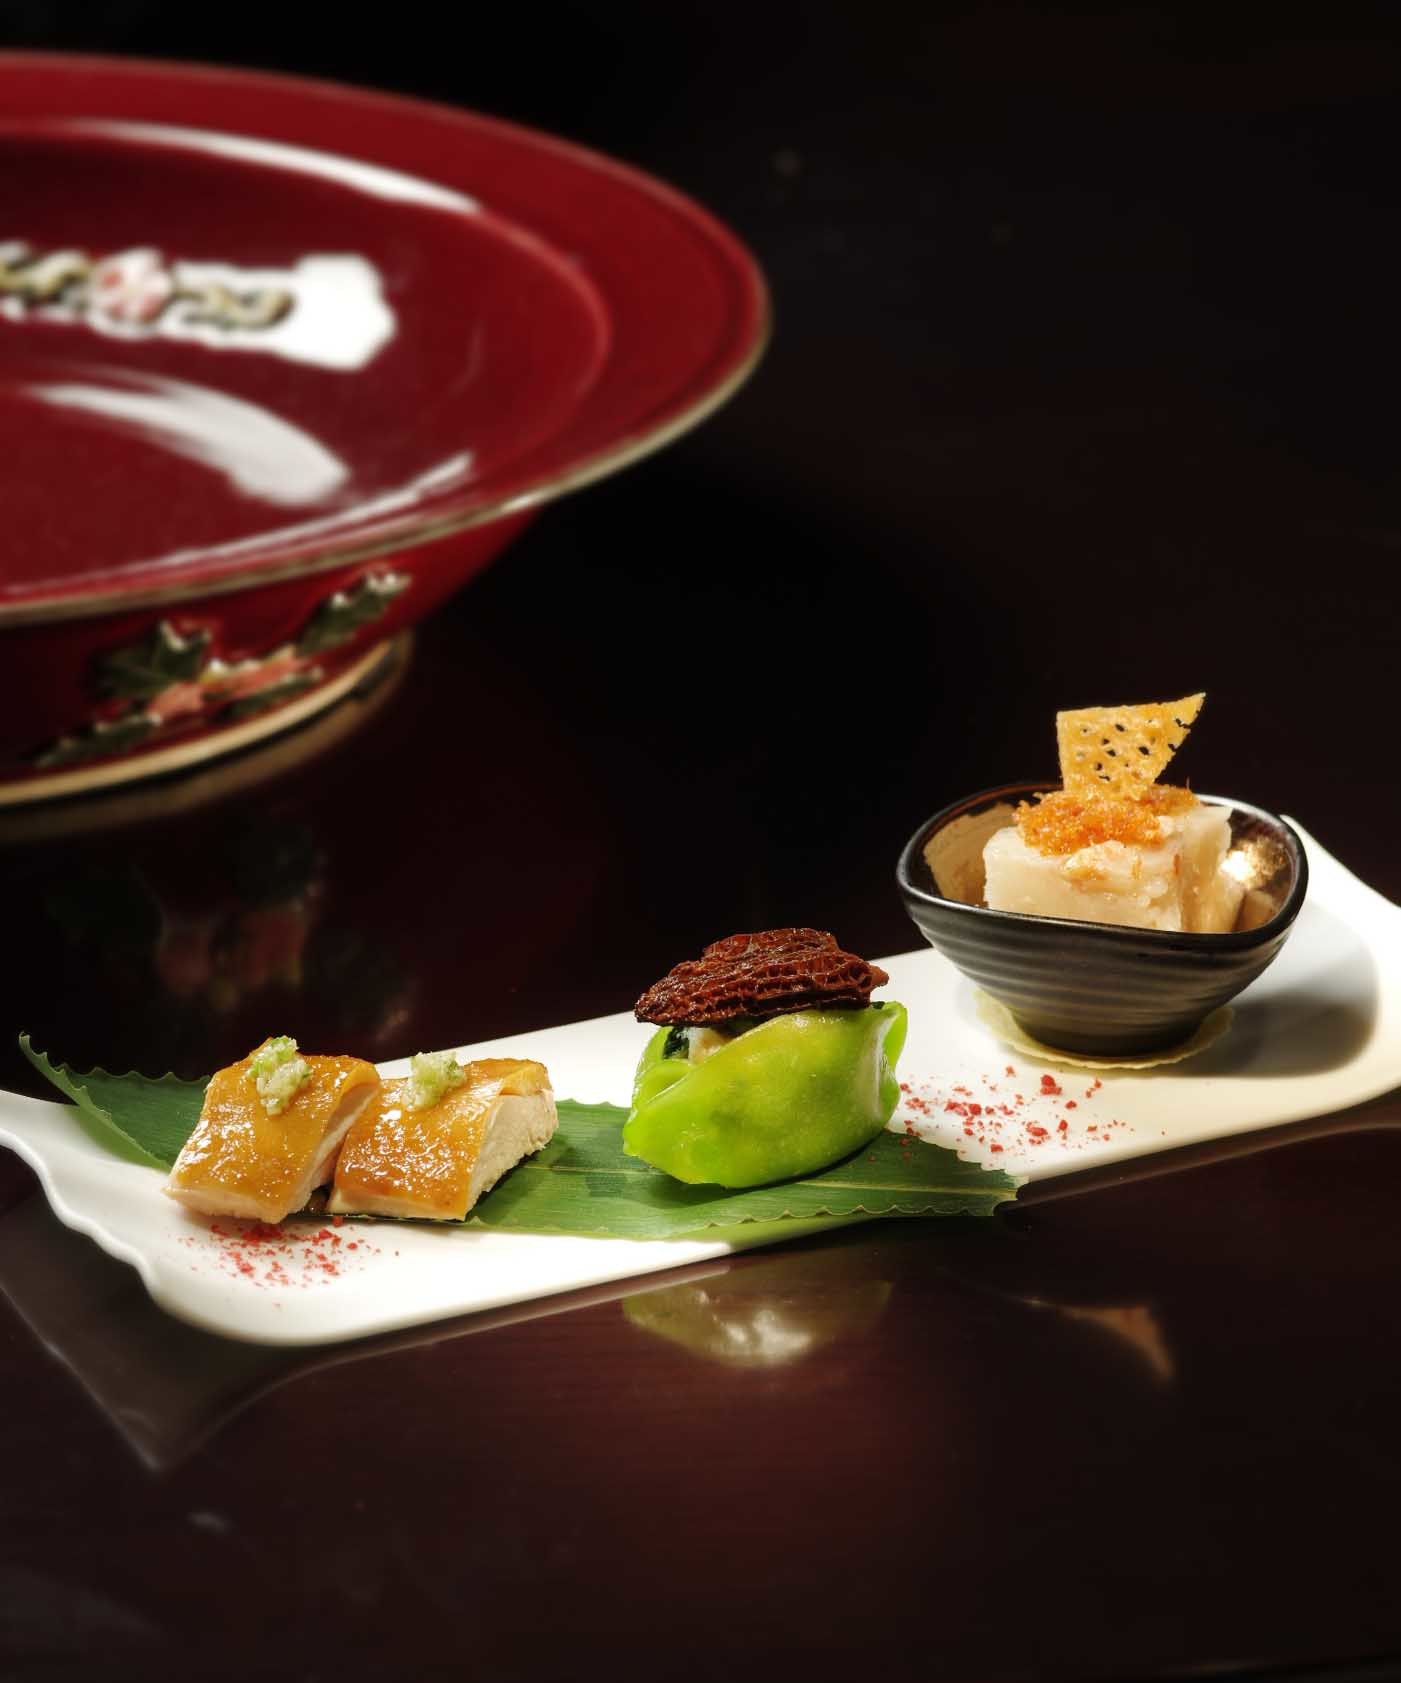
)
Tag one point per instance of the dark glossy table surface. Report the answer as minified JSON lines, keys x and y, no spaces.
{"x":1083,"y":388}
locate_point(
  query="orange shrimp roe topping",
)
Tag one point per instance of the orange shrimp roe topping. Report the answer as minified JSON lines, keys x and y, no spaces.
{"x":1062,"y":822}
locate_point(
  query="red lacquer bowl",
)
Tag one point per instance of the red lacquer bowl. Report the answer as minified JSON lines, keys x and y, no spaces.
{"x":284,"y":364}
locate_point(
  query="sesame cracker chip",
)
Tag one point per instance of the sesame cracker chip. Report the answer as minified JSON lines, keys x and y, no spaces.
{"x":1121,"y":751}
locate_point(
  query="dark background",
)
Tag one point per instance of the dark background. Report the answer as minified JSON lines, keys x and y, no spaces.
{"x":1083,"y":388}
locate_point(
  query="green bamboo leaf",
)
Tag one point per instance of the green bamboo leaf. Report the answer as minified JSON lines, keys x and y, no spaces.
{"x":133,"y":1116}
{"x":583,"y":1182}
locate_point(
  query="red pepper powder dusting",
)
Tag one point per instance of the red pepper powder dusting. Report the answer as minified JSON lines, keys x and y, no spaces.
{"x":295,"y":1254}
{"x":998,"y":1126}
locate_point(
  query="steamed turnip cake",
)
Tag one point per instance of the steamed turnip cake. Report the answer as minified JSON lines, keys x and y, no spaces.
{"x":1173,"y":882}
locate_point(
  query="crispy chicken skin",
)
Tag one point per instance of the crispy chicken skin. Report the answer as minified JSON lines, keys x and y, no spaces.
{"x":434,"y":1164}
{"x":242,"y":1161}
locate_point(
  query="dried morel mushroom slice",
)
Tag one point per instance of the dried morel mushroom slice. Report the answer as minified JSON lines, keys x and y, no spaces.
{"x":763,"y":975}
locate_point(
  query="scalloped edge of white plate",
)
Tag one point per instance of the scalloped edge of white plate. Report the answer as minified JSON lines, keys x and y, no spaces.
{"x":1318,"y":1032}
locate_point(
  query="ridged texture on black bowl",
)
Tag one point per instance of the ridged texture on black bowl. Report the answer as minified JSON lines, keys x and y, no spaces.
{"x":1091,"y":987}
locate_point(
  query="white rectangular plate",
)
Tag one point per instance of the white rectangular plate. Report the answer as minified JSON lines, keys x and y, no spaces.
{"x":1321,"y":1030}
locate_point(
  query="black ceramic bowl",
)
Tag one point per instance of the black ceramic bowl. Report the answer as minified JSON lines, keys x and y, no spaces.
{"x":1097,"y":988}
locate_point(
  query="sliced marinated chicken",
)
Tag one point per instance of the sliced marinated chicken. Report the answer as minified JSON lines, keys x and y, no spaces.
{"x":260,"y":1147}
{"x":433,"y":1160}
